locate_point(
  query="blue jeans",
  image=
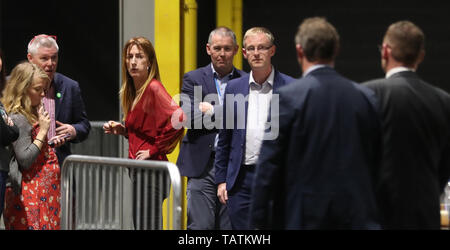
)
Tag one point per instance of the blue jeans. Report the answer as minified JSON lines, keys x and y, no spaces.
{"x":3,"y":177}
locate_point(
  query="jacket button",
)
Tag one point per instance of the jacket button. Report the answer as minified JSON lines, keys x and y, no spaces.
{"x":210,"y":146}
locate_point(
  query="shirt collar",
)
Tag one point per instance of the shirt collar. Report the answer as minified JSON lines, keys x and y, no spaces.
{"x":217,"y":74}
{"x":268,"y":80}
{"x":314,"y":67}
{"x":397,"y":70}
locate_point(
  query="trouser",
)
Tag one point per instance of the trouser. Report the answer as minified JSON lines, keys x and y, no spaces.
{"x":239,"y":198}
{"x":205,"y":212}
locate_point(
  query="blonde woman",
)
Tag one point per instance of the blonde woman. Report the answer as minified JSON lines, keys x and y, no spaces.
{"x":33,"y":199}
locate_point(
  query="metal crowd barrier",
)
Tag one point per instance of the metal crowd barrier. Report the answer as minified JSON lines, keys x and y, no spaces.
{"x":117,"y":193}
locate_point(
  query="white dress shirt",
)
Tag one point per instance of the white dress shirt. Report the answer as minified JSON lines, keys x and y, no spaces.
{"x":397,"y":70}
{"x":258,"y":110}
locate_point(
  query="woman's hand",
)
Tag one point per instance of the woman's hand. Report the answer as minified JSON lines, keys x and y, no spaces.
{"x":114,"y":128}
{"x":143,"y":154}
{"x":44,"y":120}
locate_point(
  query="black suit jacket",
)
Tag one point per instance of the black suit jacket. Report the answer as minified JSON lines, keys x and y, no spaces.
{"x":198,"y":143}
{"x":319,"y":170}
{"x":416,"y":157}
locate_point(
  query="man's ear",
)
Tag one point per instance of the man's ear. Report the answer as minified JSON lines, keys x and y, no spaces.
{"x":244,"y":53}
{"x":386,"y":51}
{"x":208,"y":49}
{"x":29,"y":57}
{"x":299,"y":50}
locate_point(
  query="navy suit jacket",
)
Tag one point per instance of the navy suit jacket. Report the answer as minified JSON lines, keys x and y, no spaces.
{"x":319,"y":171}
{"x":198,"y":143}
{"x":69,"y":109}
{"x":230,"y":151}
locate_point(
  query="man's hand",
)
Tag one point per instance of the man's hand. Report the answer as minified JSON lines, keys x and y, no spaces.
{"x":222,"y":193}
{"x":63,"y":129}
{"x":206,"y":108}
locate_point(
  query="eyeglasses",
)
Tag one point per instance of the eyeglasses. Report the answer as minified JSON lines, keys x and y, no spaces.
{"x":43,"y":36}
{"x":252,"y":49}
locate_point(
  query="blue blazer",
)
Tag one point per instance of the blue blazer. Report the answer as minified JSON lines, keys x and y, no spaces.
{"x":69,"y":109}
{"x":230,"y":150}
{"x":319,"y":172}
{"x":198,"y":143}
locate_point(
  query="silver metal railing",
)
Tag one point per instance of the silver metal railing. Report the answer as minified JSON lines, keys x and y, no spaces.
{"x":116,"y":193}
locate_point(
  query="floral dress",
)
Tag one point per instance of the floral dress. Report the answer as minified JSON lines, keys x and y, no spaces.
{"x":37,"y":207}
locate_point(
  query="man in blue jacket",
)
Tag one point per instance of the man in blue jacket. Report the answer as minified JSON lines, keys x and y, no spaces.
{"x":63,"y":100}
{"x":318,"y":173}
{"x":202,"y":96}
{"x":246,"y":108}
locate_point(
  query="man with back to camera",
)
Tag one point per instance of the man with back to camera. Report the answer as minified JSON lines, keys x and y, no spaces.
{"x":319,"y":171}
{"x":238,"y":147}
{"x":63,"y":99}
{"x":416,"y":134}
{"x":197,"y":151}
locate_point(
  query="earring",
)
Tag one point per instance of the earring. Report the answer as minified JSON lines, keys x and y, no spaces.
{"x":148,"y":67}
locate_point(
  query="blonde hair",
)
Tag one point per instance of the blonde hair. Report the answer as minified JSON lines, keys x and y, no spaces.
{"x":128,"y":93}
{"x":15,"y":97}
{"x":259,"y":30}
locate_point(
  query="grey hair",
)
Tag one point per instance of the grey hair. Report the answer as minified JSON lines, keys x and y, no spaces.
{"x":222,"y":31}
{"x":41,"y":40}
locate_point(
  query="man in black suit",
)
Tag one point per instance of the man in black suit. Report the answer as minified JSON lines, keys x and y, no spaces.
{"x":416,"y":134}
{"x":319,"y":169}
{"x":202,"y":94}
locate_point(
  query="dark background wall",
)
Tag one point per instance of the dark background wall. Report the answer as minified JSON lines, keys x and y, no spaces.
{"x":361,"y":25}
{"x":88,"y":38}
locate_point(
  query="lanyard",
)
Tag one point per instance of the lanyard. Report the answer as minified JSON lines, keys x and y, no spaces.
{"x":218,"y":89}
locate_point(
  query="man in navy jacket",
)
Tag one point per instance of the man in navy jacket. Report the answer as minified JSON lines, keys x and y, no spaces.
{"x":246,"y":108}
{"x":202,"y":92}
{"x":318,"y":173}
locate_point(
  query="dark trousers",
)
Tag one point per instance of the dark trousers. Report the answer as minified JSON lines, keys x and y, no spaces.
{"x":204,"y":210}
{"x":239,"y":198}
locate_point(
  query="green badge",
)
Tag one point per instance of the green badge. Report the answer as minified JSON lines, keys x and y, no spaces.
{"x":58,"y":95}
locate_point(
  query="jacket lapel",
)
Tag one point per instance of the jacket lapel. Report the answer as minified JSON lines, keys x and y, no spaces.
{"x":59,"y":94}
{"x":208,"y":80}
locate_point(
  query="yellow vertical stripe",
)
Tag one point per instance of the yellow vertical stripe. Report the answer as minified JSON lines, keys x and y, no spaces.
{"x":168,"y":52}
{"x":167,"y":46}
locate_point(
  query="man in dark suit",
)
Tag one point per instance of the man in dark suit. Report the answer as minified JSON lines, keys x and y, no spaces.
{"x":317,"y":174}
{"x":246,"y":108}
{"x":416,"y":134}
{"x":63,"y":99}
{"x":202,"y":95}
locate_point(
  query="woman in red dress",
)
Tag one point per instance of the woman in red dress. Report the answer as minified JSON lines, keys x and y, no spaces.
{"x":32,"y":201}
{"x":152,"y":118}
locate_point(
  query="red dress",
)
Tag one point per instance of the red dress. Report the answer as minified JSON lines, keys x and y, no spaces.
{"x":38,"y":205}
{"x":154,"y":123}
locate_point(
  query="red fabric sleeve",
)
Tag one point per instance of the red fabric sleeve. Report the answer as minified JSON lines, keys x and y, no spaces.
{"x":168,"y":119}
